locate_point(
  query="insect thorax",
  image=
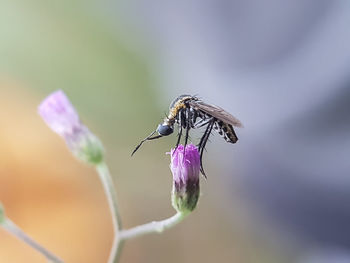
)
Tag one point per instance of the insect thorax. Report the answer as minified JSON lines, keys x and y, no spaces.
{"x":178,"y":104}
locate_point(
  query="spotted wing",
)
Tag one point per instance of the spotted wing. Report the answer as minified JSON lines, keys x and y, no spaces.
{"x":216,"y":112}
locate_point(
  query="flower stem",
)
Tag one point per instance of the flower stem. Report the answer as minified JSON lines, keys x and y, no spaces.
{"x":16,"y":231}
{"x":152,"y":227}
{"x":111,"y":195}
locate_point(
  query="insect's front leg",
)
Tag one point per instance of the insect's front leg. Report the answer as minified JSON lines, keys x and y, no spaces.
{"x":148,"y":138}
{"x":188,"y":123}
{"x":179,"y":136}
{"x":180,"y":119}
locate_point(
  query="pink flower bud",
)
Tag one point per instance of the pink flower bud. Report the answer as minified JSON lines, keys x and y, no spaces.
{"x":185,"y":167}
{"x":60,"y":115}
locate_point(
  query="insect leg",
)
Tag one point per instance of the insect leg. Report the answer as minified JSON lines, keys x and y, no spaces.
{"x":180,"y":121}
{"x":182,"y":118}
{"x":203,"y":142}
{"x":202,"y":139}
{"x":148,"y":138}
{"x":179,"y":136}
{"x":194,"y":116}
{"x":188,"y":124}
{"x":202,"y":122}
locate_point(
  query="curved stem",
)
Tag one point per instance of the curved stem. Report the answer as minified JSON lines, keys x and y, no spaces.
{"x":107,"y":182}
{"x":152,"y":227}
{"x":16,"y":231}
{"x":120,"y":236}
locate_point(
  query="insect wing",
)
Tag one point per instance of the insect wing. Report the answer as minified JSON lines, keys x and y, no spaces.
{"x":216,"y":112}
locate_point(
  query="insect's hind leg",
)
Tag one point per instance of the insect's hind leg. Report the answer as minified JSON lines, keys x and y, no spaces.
{"x":203,"y":142}
{"x":202,"y":122}
{"x":209,"y":122}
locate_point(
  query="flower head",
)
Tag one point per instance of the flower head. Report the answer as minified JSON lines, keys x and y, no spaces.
{"x":185,"y":167}
{"x":60,"y":115}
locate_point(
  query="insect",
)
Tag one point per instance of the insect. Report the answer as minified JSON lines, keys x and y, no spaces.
{"x":189,"y":112}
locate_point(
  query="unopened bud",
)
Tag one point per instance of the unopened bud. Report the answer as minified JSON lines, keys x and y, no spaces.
{"x":185,"y":167}
{"x":60,"y":115}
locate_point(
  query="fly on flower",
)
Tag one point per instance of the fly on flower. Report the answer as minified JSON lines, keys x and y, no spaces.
{"x":189,"y":112}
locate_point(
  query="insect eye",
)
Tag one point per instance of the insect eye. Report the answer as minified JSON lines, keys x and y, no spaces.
{"x":165,"y":130}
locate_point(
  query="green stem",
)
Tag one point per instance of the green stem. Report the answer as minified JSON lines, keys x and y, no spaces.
{"x":152,"y":227}
{"x":111,"y":195}
{"x":16,"y":231}
{"x":120,"y":236}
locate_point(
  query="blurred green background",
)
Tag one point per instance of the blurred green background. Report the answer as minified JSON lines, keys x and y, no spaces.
{"x":71,"y":45}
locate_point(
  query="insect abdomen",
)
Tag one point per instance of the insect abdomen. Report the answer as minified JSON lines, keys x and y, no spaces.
{"x":226,"y":131}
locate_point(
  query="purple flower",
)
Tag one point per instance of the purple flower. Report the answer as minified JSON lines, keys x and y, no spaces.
{"x":185,"y":167}
{"x":60,"y":115}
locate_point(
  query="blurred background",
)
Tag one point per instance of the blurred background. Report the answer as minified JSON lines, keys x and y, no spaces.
{"x":281,"y":194}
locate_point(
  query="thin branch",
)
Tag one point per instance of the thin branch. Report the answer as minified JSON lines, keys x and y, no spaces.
{"x":152,"y":227}
{"x":111,"y":195}
{"x":17,"y":232}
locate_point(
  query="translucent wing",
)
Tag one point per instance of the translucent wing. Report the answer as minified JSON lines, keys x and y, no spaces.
{"x":216,"y":112}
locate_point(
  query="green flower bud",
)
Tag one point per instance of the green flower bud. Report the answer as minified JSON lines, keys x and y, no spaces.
{"x":86,"y":147}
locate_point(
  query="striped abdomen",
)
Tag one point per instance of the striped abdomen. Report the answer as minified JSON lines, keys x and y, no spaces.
{"x":226,"y":131}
